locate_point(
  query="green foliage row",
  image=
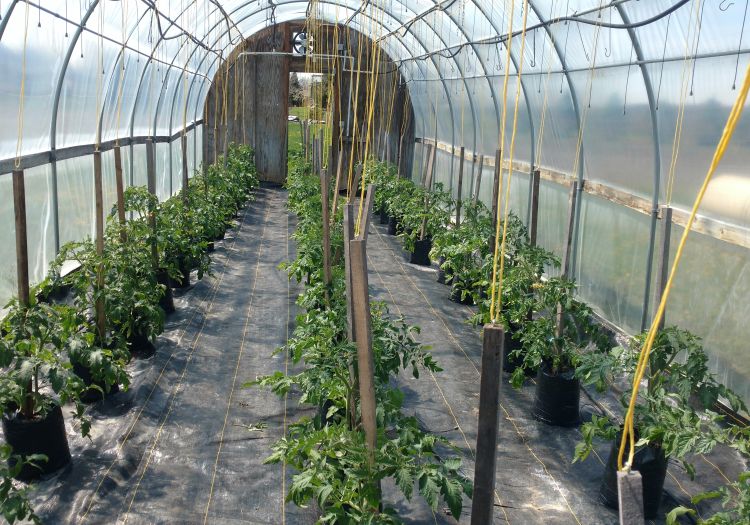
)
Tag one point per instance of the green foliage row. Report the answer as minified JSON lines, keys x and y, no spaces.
{"x":40,"y":342}
{"x":678,"y":410}
{"x":329,"y":451}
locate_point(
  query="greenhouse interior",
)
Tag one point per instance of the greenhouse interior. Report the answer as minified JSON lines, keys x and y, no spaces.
{"x":375,"y":262}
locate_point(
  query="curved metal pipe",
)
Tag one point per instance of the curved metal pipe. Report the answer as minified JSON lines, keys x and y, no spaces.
{"x":657,"y":162}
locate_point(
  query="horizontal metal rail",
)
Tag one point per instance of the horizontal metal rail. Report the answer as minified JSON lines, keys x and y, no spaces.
{"x":34,"y":160}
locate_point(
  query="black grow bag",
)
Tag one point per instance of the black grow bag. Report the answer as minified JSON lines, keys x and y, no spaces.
{"x":92,"y":394}
{"x":167,"y":300}
{"x":557,"y":397}
{"x":456,"y":297}
{"x":140,"y":346}
{"x":384,"y":215}
{"x":441,"y":273}
{"x":421,"y":253}
{"x":183,"y":281}
{"x":392,"y":225}
{"x":38,"y":436}
{"x":650,"y":461}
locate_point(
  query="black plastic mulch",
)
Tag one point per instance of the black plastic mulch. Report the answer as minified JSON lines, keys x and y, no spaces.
{"x":186,"y":443}
{"x":536,"y":479}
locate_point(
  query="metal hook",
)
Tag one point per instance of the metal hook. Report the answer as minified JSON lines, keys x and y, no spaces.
{"x":725,"y":4}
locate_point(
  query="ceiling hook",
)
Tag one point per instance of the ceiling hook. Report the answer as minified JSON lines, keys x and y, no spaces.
{"x":725,"y":4}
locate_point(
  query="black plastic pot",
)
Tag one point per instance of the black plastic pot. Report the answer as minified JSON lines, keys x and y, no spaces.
{"x":557,"y":397}
{"x":456,"y":297}
{"x":384,"y":216}
{"x":38,"y":436}
{"x":91,"y":394}
{"x":220,"y":236}
{"x":184,"y":280}
{"x":421,"y":253}
{"x":441,"y":272}
{"x":650,"y":462}
{"x":211,"y":247}
{"x":140,"y":346}
{"x":392,"y":225}
{"x":167,"y":300}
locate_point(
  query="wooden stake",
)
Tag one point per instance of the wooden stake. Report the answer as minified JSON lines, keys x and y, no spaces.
{"x":489,"y":403}
{"x":663,"y":265}
{"x":367,"y":212}
{"x":99,"y":222}
{"x":427,"y":175}
{"x":151,"y":184}
{"x":460,"y":186}
{"x":22,"y":248}
{"x":185,"y":183}
{"x":534,"y":218}
{"x":357,"y":181}
{"x":365,"y":362}
{"x":572,"y":203}
{"x":119,"y":185}
{"x":572,"y":199}
{"x":428,"y":186}
{"x":630,"y":498}
{"x":339,"y":171}
{"x":479,"y":178}
{"x":496,"y":185}
{"x":350,"y":324}
{"x":326,"y":235}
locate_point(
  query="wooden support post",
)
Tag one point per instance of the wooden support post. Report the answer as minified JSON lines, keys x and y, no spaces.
{"x":350,"y":324}
{"x":489,"y":402}
{"x":427,"y":174}
{"x":663,"y":263}
{"x":567,"y":249}
{"x":321,"y":149}
{"x":427,"y":181}
{"x":496,"y":185}
{"x":151,"y":185}
{"x":348,"y":236}
{"x":534,"y":210}
{"x":367,"y":213}
{"x":185,"y":186}
{"x":365,"y":361}
{"x":101,"y":325}
{"x":22,"y":265}
{"x":326,"y":234}
{"x":119,"y":185}
{"x":339,"y":170}
{"x":357,"y":181}
{"x":460,"y":186}
{"x":479,"y":178}
{"x":630,"y":498}
{"x":22,"y":248}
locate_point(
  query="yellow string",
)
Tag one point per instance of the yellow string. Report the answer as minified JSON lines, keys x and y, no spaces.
{"x":628,"y":430}
{"x":501,"y":146}
{"x":375,"y":54}
{"x":99,"y":79}
{"x":542,"y":118}
{"x":123,"y":18}
{"x":510,"y":161}
{"x":685,"y":79}
{"x":22,"y":92}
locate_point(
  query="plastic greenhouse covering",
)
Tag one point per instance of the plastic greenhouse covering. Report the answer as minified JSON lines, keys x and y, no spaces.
{"x":602,"y":87}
